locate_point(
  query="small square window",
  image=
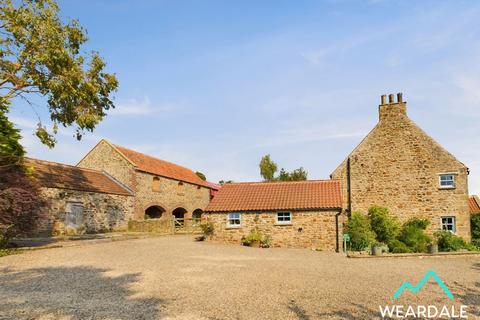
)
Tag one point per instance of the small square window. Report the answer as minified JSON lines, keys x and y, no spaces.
{"x":447,"y":181}
{"x":448,"y":224}
{"x":284,"y":218}
{"x":234,"y":220}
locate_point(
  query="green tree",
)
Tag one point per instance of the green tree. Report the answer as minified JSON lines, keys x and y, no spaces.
{"x":201,"y":175}
{"x":268,"y":168}
{"x":11,"y":151}
{"x":298,"y":174}
{"x":40,"y":54}
{"x":385,"y":226}
{"x":361,"y":234}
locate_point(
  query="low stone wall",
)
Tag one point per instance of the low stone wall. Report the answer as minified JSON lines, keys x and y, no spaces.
{"x":309,"y":229}
{"x":164,"y":226}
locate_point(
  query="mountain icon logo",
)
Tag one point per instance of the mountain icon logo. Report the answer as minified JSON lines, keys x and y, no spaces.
{"x":415,"y":289}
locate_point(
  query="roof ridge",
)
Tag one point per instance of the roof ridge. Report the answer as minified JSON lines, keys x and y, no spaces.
{"x":282,"y":182}
{"x":149,"y":156}
{"x":63,"y":165}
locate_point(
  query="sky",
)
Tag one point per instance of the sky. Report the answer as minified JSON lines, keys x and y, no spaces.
{"x":215,"y":85}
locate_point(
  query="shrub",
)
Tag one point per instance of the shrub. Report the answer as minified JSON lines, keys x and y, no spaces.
{"x":21,"y":205}
{"x":266,"y":242}
{"x":207,"y":228}
{"x":385,"y":227}
{"x":475,"y":227}
{"x":397,"y":246}
{"x":254,"y":236}
{"x":360,"y":231}
{"x":413,"y":235}
{"x":447,"y":241}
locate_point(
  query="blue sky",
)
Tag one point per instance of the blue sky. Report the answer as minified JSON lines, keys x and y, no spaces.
{"x":214,"y":85}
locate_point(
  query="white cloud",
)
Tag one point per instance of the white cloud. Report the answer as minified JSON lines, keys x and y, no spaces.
{"x":133,"y":107}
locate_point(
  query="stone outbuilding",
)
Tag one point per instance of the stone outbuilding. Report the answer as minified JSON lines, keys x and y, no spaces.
{"x":162,"y":189}
{"x":303,"y":214}
{"x":398,"y":166}
{"x":80,"y":200}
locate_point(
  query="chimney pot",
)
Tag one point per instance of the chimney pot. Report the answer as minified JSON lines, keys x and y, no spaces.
{"x":399,"y":97}
{"x":391,"y":98}
{"x":383,"y":99}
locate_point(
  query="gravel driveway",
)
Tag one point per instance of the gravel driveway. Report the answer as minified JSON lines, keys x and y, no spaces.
{"x":177,"y":278}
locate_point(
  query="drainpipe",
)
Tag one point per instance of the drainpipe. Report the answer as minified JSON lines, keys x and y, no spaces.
{"x":337,"y":230}
{"x":349,"y":187}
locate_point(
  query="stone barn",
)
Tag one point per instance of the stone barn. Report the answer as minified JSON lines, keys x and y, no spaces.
{"x":398,"y":166}
{"x":162,"y":189}
{"x":80,"y":200}
{"x":303,"y":214}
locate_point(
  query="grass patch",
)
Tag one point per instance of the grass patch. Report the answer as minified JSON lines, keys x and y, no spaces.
{"x":7,"y":252}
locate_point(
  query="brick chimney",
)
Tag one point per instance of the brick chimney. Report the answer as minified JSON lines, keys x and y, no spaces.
{"x":392,"y":108}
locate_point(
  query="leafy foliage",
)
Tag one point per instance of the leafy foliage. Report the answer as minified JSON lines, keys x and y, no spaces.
{"x":447,"y":241}
{"x":39,"y":54}
{"x":385,"y":226}
{"x":20,"y":203}
{"x":11,"y":151}
{"x":360,"y":231}
{"x":397,"y":246}
{"x":207,"y":227}
{"x":268,"y":169}
{"x":255,"y":236}
{"x":475,"y":227}
{"x":201,"y":175}
{"x":413,"y":234}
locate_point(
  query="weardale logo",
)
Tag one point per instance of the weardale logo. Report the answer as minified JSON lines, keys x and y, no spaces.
{"x":446,"y":311}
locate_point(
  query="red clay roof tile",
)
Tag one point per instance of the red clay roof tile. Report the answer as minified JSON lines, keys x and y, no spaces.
{"x":162,"y":168}
{"x":474,"y":205}
{"x":62,"y":176}
{"x":252,"y":196}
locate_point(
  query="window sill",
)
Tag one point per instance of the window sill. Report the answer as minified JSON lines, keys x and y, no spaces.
{"x":233,"y":227}
{"x":283,"y":224}
{"x":446,"y":188}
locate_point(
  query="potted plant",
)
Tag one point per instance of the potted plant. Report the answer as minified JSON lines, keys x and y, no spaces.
{"x":377,"y":248}
{"x":432,"y":247}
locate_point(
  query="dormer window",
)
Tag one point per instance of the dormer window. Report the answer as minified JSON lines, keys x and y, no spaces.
{"x":447,"y":180}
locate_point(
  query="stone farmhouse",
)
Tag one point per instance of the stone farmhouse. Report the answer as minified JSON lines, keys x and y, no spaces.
{"x":397,"y":165}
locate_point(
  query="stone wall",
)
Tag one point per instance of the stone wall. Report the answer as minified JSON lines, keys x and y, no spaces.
{"x":397,"y":166}
{"x":169,"y":196}
{"x":162,"y":226}
{"x":101,"y":212}
{"x":309,"y":229}
{"x":104,"y":158}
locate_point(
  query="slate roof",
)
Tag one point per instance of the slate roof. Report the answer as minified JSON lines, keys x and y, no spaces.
{"x":300,"y":195}
{"x":62,"y":176}
{"x":160,"y":167}
{"x":474,"y":204}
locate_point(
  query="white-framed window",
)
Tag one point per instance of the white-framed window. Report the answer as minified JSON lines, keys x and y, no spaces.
{"x":284,"y":217}
{"x":234,"y":220}
{"x":447,"y":180}
{"x":449,"y":224}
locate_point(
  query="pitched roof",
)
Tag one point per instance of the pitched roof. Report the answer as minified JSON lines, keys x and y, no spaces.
{"x":474,"y":204}
{"x":251,"y":196}
{"x":62,"y":176}
{"x":160,"y":167}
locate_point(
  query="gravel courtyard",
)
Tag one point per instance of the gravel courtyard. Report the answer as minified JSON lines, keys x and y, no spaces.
{"x":177,"y":278}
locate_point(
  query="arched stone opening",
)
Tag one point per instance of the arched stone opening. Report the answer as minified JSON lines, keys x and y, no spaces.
{"x":154,"y":212}
{"x":179,"y":215}
{"x":197,"y":214}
